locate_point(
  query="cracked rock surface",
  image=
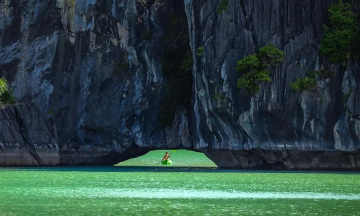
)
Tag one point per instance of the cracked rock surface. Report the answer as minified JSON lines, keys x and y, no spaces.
{"x":25,"y":139}
{"x":315,"y":129}
{"x":92,"y":73}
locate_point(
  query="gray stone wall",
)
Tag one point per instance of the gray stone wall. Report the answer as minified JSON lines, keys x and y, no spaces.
{"x":25,"y":139}
{"x":93,"y":68}
{"x":277,"y":119}
{"x":93,"y":73}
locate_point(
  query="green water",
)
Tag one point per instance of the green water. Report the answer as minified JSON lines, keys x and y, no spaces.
{"x":180,"y":158}
{"x":171,"y":190}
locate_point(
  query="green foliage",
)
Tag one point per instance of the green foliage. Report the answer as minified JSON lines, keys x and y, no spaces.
{"x":220,"y":99}
{"x":254,"y":68}
{"x":250,"y":81}
{"x":324,"y":73}
{"x":187,"y":64}
{"x":303,"y":84}
{"x":355,"y":45}
{"x":200,"y":51}
{"x":313,"y":74}
{"x":219,"y":96}
{"x":270,"y":55}
{"x":247,"y":64}
{"x":224,"y":4}
{"x":6,"y":95}
{"x":3,"y":85}
{"x":341,"y":35}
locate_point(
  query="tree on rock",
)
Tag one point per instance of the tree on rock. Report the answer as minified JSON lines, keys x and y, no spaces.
{"x":6,"y":96}
{"x":255,"y":68}
{"x":340,"y":36}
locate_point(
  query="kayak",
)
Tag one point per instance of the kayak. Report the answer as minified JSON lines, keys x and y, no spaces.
{"x":166,"y":162}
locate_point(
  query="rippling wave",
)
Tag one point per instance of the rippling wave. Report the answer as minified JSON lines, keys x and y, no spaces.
{"x":192,"y":194}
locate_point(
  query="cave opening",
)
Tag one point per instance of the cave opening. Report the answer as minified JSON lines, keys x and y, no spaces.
{"x":180,"y":158}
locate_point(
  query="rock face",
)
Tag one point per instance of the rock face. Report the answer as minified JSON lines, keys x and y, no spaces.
{"x":25,"y":139}
{"x":277,"y":127}
{"x":95,"y":71}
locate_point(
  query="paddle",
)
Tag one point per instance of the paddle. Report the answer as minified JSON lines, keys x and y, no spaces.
{"x":169,"y":154}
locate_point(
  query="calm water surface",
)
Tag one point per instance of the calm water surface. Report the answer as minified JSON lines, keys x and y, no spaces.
{"x":176,"y":190}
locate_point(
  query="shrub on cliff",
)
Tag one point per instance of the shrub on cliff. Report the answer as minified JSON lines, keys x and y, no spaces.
{"x":301,"y":84}
{"x":3,"y":85}
{"x":341,"y":35}
{"x":200,"y":51}
{"x":6,"y":96}
{"x":224,"y":4}
{"x":255,"y":68}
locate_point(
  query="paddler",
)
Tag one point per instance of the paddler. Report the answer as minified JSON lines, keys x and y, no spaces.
{"x":166,"y":157}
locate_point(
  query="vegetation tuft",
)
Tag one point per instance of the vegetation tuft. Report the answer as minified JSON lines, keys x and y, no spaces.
{"x":224,"y":4}
{"x":341,"y":38}
{"x":324,"y":73}
{"x":255,"y":68}
{"x":302,"y":84}
{"x":220,"y":99}
{"x":200,"y":51}
{"x":6,"y":94}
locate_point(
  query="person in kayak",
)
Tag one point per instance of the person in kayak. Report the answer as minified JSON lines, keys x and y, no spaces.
{"x":166,"y":157}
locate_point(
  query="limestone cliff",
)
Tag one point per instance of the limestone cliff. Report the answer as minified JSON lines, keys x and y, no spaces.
{"x":96,"y":71}
{"x":93,"y":69}
{"x":311,"y":129}
{"x":25,"y":140}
